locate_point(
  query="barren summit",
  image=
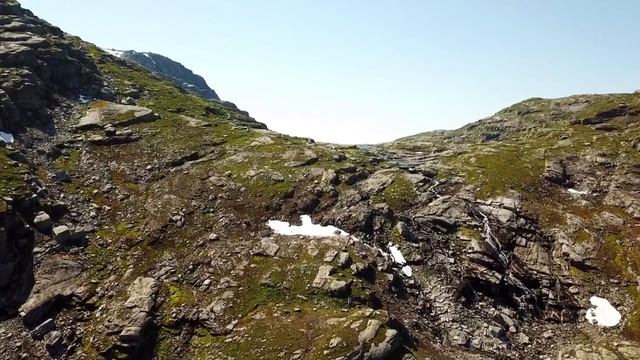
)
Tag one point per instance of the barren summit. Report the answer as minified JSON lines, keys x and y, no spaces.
{"x":141,"y":221}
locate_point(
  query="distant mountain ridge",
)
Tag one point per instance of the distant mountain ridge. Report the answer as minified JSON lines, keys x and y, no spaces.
{"x":170,"y":70}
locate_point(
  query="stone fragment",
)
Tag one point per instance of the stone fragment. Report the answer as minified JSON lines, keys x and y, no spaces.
{"x":267,"y":248}
{"x":42,"y":222}
{"x":61,"y":233}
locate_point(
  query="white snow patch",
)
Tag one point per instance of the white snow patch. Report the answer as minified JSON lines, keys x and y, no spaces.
{"x":602,"y":313}
{"x":407,"y":270}
{"x":396,"y":255}
{"x":114,"y":52}
{"x":308,"y":228}
{"x":577,"y":192}
{"x":150,"y":58}
{"x":6,"y":137}
{"x":399,"y":259}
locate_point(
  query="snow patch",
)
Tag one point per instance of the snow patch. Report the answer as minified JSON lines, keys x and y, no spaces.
{"x":150,"y":58}
{"x":602,"y":313}
{"x":308,"y":228}
{"x":6,"y":137}
{"x":407,"y":270}
{"x":399,"y":259}
{"x":396,"y":255}
{"x":114,"y":52}
{"x":577,"y":192}
{"x":84,"y":99}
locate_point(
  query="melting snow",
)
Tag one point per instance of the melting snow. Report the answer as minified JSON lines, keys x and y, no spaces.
{"x":308,"y":228}
{"x":150,"y":58}
{"x":114,"y":52}
{"x":6,"y":137}
{"x":602,"y":313}
{"x":407,"y":270}
{"x":577,"y":192}
{"x":397,"y":256}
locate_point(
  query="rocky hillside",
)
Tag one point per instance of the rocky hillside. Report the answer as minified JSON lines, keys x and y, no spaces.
{"x":169,"y":70}
{"x":140,"y":221}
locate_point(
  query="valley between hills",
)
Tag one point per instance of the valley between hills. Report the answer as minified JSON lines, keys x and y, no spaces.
{"x":143,"y":218}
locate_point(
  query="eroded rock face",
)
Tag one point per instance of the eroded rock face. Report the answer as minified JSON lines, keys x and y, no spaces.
{"x":129,"y":321}
{"x":172,"y":71}
{"x":140,"y":303}
{"x":57,"y":280}
{"x":38,"y":61}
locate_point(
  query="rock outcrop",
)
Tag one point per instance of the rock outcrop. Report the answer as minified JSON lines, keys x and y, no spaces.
{"x":172,"y":71}
{"x":39,"y":62}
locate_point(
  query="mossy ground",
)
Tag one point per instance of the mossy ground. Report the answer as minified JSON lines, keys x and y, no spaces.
{"x":537,"y":130}
{"x":399,"y":195}
{"x":11,"y":177}
{"x":69,"y":162}
{"x":278,"y":312}
{"x":273,"y":335}
{"x":606,"y":104}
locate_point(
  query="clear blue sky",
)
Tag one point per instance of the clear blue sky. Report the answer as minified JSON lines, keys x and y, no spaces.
{"x":362,"y":71}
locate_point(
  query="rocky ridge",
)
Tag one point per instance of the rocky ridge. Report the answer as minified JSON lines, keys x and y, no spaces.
{"x":170,"y":70}
{"x":135,"y":227}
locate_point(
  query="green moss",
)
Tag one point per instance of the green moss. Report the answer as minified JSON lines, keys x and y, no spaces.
{"x":576,"y":273}
{"x":11,"y":180}
{"x":469,"y":232}
{"x":89,"y":350}
{"x":620,"y":261}
{"x":179,"y":295}
{"x":400,"y":194}
{"x":276,"y":280}
{"x":121,"y":232}
{"x":275,"y":335}
{"x":102,"y":260}
{"x":164,"y":346}
{"x":121,"y":117}
{"x":581,"y":236}
{"x":607,"y":103}
{"x":70,"y":162}
{"x":632,"y":330}
{"x":500,"y":168}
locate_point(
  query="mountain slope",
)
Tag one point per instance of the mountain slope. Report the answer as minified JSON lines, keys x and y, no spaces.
{"x":170,"y":70}
{"x":140,"y":230}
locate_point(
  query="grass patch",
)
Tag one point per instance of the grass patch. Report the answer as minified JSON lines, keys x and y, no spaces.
{"x":400,"y":194}
{"x":179,"y":295}
{"x":70,"y":162}
{"x":469,"y":233}
{"x":121,"y":232}
{"x":607,"y":103}
{"x":11,"y":179}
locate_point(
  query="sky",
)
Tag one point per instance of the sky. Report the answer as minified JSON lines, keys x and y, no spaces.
{"x":369,"y":71}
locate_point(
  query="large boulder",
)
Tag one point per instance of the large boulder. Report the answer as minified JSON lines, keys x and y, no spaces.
{"x":57,"y":279}
{"x":139,"y":305}
{"x":102,"y":113}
